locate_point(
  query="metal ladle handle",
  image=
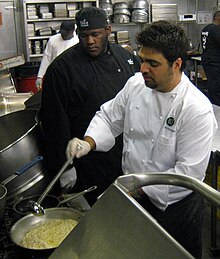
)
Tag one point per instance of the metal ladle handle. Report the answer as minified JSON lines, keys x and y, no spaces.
{"x":50,"y":186}
{"x":78,"y":194}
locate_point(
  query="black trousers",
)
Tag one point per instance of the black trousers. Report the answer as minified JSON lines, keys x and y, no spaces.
{"x":183,"y":220}
{"x":213,"y":78}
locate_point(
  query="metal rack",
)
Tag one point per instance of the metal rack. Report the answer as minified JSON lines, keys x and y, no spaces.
{"x":46,"y":22}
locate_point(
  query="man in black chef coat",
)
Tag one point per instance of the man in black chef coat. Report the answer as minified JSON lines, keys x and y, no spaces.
{"x":210,"y":38}
{"x":76,"y":84}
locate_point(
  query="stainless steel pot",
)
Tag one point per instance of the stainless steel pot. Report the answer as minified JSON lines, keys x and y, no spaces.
{"x":3,"y":193}
{"x":121,"y":18}
{"x":25,"y":224}
{"x":18,"y":172}
{"x":22,"y":140}
{"x":121,"y":5}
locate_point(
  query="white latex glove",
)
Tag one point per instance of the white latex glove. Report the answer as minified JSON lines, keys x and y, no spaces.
{"x":77,"y":148}
{"x":38,"y":83}
{"x":68,"y":179}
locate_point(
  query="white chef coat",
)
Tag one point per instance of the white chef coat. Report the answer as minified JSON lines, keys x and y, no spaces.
{"x":55,"y":46}
{"x":163,"y":132}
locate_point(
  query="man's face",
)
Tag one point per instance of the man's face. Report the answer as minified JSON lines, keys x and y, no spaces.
{"x":157,"y":72}
{"x":66,"y":35}
{"x":95,"y":41}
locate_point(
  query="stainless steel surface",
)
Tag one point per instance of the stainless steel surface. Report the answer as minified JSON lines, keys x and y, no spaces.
{"x":22,"y":141}
{"x":36,"y":206}
{"x":140,"y":4}
{"x":74,"y":196}
{"x":118,"y":227}
{"x":3,"y":193}
{"x":6,"y":82}
{"x":8,"y":46}
{"x":13,"y":102}
{"x":134,"y":181}
{"x":164,"y":12}
{"x":131,"y":232}
{"x":121,"y":18}
{"x":26,"y":223}
{"x":22,"y":170}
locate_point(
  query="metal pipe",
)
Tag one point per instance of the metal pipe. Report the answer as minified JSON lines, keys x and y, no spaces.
{"x":134,"y":181}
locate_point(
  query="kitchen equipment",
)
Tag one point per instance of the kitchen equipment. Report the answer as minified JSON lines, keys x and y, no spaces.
{"x":22,"y":140}
{"x":122,"y":11}
{"x":117,"y":226}
{"x":36,"y":206}
{"x":3,"y":193}
{"x":13,"y":102}
{"x":26,"y":223}
{"x":22,"y":170}
{"x":164,"y":12}
{"x":140,"y":4}
{"x":121,"y":5}
{"x":23,"y":206}
{"x":18,"y":172}
{"x":121,"y":18}
{"x":6,"y":82}
{"x":139,"y":16}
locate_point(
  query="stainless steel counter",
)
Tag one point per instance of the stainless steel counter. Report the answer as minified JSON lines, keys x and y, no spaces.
{"x":118,"y":227}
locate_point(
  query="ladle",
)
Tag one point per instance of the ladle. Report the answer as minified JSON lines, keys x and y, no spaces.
{"x":36,"y":208}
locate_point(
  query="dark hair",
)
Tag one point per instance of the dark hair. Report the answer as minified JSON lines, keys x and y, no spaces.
{"x":167,"y":38}
{"x":216,"y":15}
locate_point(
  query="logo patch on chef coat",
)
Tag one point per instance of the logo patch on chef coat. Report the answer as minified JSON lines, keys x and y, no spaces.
{"x":170,"y":121}
{"x":130,"y":62}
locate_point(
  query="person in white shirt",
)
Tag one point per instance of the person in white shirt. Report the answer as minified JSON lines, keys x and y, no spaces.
{"x":168,"y":126}
{"x":65,"y":39}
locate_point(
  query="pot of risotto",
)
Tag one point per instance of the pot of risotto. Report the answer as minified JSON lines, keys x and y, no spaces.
{"x":46,"y":231}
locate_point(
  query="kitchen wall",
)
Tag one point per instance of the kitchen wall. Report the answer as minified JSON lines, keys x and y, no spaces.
{"x":192,"y":28}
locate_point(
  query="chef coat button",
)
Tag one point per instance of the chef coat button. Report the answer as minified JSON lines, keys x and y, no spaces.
{"x":161,"y":117}
{"x":143,"y":161}
{"x":137,"y":107}
{"x":173,"y":95}
{"x":128,"y":150}
{"x":152,"y":140}
{"x":119,"y":70}
{"x":131,"y":129}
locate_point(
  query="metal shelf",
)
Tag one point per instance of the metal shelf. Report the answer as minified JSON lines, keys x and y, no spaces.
{"x":50,"y":19}
{"x":50,"y":22}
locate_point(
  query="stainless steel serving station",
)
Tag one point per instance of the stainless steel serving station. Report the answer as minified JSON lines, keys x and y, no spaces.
{"x":118,"y":227}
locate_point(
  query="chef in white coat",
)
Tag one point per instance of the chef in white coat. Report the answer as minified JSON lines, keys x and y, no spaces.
{"x":57,"y":43}
{"x":168,"y":126}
